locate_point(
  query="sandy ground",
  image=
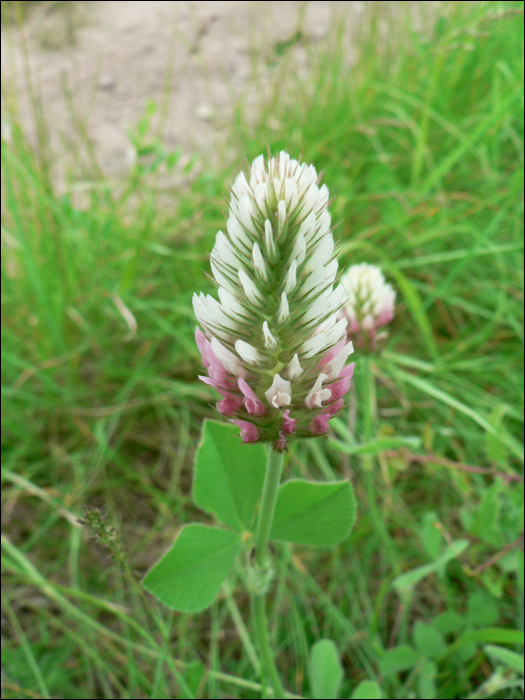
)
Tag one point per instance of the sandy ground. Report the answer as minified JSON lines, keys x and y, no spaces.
{"x":112,"y":57}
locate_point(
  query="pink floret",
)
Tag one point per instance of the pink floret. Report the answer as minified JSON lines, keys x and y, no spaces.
{"x":289,"y":424}
{"x":319,"y":424}
{"x":251,"y":401}
{"x":249,"y":432}
{"x":341,"y":387}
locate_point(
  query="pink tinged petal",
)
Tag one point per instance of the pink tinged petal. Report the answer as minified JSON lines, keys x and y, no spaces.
{"x":280,"y":393}
{"x":341,"y":387}
{"x":248,"y":353}
{"x":229,"y":405}
{"x":250,"y":289}
{"x":201,"y":341}
{"x":269,"y":341}
{"x":334,"y":407}
{"x":293,"y":368}
{"x":289,"y":424}
{"x":317,"y":394}
{"x":319,"y":424}
{"x":227,"y":359}
{"x":249,"y":432}
{"x":259,"y":262}
{"x":280,"y":444}
{"x":333,"y":352}
{"x":334,"y":367}
{"x":311,"y":347}
{"x":284,"y":310}
{"x":291,"y":278}
{"x":251,"y":401}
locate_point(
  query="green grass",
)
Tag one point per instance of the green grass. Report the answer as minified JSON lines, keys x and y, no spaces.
{"x":422,"y":145}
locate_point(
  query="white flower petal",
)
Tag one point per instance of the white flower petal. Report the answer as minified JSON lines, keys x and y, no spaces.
{"x":311,"y":347}
{"x":317,"y":394}
{"x":224,"y":252}
{"x":280,"y":393}
{"x":293,"y":368}
{"x":259,"y":262}
{"x":248,"y":353}
{"x":222,"y":279}
{"x":249,"y":287}
{"x":257,"y":171}
{"x":335,"y":334}
{"x":291,"y":278}
{"x":231,"y":304}
{"x":284,"y":309}
{"x":281,"y":213}
{"x":268,"y":238}
{"x":269,"y":341}
{"x":299,"y":249}
{"x":228,"y":360}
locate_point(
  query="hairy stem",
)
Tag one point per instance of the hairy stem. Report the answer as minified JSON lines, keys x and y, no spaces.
{"x":262,"y":559}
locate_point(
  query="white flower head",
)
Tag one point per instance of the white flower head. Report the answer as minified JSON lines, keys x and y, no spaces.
{"x":274,"y":337}
{"x":370,"y":300}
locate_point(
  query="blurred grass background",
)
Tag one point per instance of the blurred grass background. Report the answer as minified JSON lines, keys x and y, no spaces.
{"x":421,"y":142}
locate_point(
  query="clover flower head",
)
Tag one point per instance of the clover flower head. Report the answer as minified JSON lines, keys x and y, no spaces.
{"x":370,"y":302}
{"x":272,"y":345}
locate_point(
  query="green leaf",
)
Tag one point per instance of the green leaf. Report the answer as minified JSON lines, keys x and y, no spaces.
{"x":494,"y":635}
{"x":367,"y":690}
{"x":431,"y":536}
{"x":426,"y":682}
{"x":405,"y":583}
{"x":229,"y":475}
{"x":319,"y":515}
{"x":428,"y":640}
{"x":326,"y":672}
{"x":190,"y":574}
{"x":482,"y":609}
{"x":507,"y":657}
{"x":400,"y":658}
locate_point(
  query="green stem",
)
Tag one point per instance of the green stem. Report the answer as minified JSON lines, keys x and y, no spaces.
{"x":263,"y":562}
{"x":261,"y":625}
{"x":269,"y":498}
{"x":369,"y":407}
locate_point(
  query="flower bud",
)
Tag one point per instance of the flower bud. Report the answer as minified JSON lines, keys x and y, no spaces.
{"x":370,"y":304}
{"x":273,"y":345}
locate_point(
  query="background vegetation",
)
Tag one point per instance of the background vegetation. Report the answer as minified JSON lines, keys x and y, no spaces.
{"x":422,"y":144}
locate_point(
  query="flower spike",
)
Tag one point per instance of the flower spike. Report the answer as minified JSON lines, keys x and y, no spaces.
{"x":272,"y":345}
